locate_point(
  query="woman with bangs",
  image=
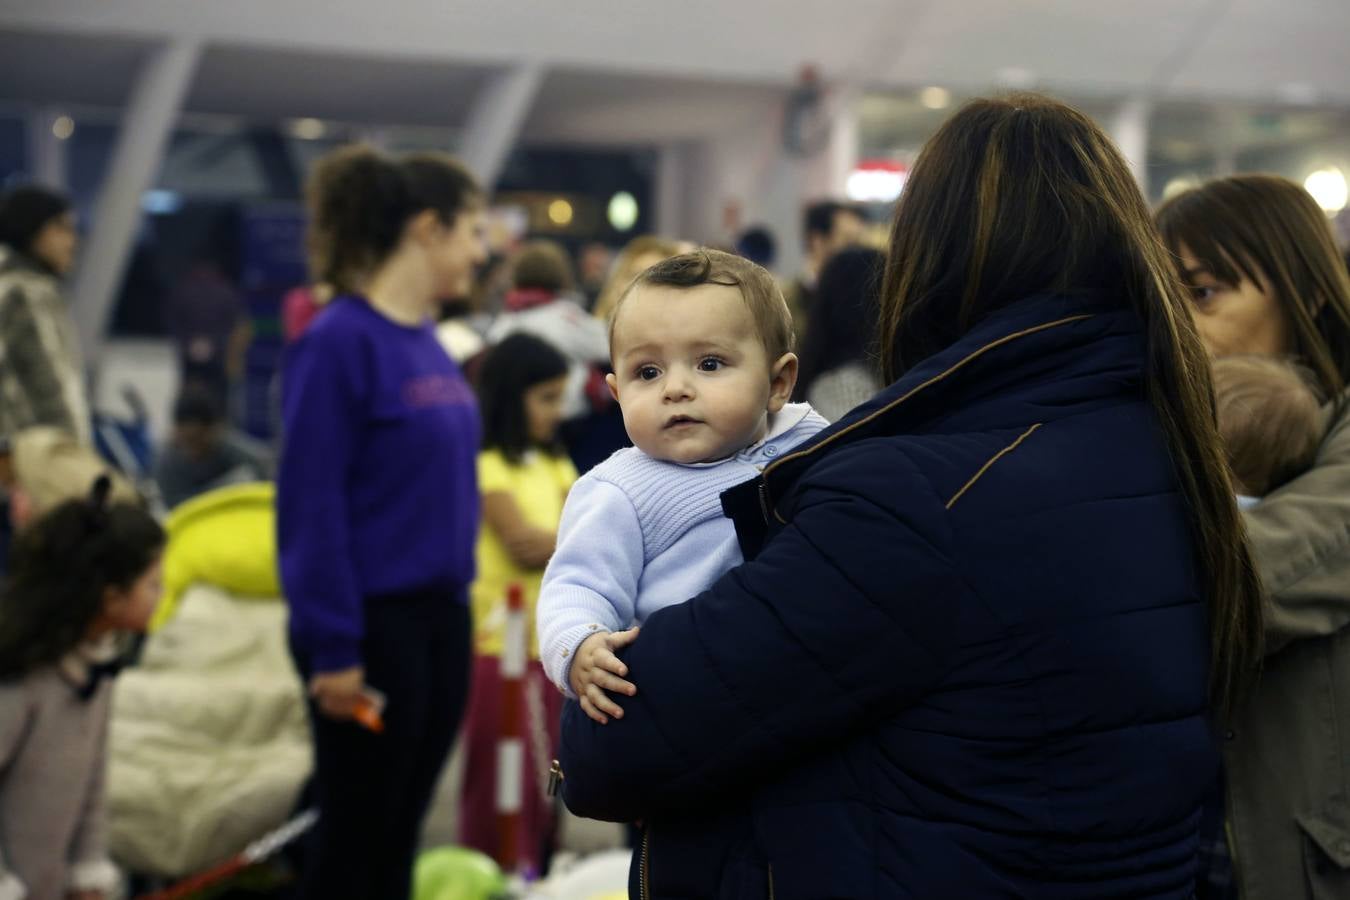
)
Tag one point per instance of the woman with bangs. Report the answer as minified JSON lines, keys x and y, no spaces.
{"x":1267,"y":279}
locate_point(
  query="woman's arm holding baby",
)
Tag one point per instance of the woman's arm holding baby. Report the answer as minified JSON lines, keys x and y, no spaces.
{"x":589,"y":595}
{"x":844,"y":617}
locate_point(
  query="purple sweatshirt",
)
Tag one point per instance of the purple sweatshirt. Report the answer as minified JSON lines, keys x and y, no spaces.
{"x":377,"y":491}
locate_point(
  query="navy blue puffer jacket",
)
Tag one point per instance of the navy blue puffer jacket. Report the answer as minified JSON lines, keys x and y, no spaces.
{"x":967,"y":659}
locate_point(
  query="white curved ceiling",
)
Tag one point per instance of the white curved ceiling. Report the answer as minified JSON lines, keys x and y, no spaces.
{"x":641,"y":67}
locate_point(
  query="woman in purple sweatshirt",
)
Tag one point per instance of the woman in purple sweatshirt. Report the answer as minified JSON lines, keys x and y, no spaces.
{"x":378,"y":506}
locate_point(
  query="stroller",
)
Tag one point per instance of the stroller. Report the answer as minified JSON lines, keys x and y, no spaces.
{"x":125,"y":442}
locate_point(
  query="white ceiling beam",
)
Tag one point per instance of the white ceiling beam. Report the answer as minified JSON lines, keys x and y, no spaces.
{"x":494,"y":124}
{"x":147,"y":123}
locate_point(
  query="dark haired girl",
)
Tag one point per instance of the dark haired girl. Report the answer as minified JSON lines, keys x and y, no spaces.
{"x":524,"y":475}
{"x":837,"y":372}
{"x":81,"y":577}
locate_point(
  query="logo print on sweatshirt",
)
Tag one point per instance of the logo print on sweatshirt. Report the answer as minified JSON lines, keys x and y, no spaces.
{"x":436,"y":390}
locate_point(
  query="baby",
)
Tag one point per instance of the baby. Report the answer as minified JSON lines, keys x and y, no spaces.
{"x":1270,"y":419}
{"x":703,"y":368}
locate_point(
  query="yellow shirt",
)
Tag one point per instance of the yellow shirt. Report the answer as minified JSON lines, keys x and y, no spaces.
{"x":539,"y":485}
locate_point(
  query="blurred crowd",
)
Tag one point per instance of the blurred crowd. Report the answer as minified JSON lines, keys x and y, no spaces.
{"x":440,"y":398}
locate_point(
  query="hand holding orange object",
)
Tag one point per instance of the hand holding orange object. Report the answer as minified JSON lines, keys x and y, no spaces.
{"x":369,"y":710}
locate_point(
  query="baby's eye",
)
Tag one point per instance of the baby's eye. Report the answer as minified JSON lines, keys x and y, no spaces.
{"x":710,"y":364}
{"x":647,"y":373}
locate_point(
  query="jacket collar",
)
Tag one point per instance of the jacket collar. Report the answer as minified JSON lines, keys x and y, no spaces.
{"x":521,"y":299}
{"x":1091,"y":344}
{"x":84,"y":667}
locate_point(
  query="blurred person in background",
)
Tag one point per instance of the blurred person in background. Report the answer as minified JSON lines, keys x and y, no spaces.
{"x":639,"y":254}
{"x":592,"y":438}
{"x":459,"y":338}
{"x":593,"y":264}
{"x":300,"y":306}
{"x":48,"y":467}
{"x":989,"y":619}
{"x":827,"y":227}
{"x":464,"y":319}
{"x":377,"y":506}
{"x":757,"y":244}
{"x":492,"y":284}
{"x":41,"y":367}
{"x":203,"y":452}
{"x":207,"y":317}
{"x":1267,"y":278}
{"x":542,"y":302}
{"x":43,"y":466}
{"x":837,"y":370}
{"x":523,"y":475}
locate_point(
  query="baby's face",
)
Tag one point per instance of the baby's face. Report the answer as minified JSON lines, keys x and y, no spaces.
{"x":691,"y":374}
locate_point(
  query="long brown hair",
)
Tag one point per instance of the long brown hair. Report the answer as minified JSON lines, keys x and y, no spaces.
{"x":1270,"y":231}
{"x":1023,"y":195}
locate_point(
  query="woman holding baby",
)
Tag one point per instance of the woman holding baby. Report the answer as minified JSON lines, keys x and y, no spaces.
{"x":990,"y":620}
{"x":1268,"y":281}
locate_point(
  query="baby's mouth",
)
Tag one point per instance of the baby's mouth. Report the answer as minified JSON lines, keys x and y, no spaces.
{"x":677,"y":421}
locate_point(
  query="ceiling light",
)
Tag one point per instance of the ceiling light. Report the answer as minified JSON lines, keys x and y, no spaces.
{"x":1179,"y":185}
{"x":935,"y":97}
{"x":1328,"y":188}
{"x":1299,"y":93}
{"x":560,"y":213}
{"x":876,"y":181}
{"x":1016,"y":77}
{"x":623,"y":211}
{"x":63,"y":127}
{"x":307,"y":129}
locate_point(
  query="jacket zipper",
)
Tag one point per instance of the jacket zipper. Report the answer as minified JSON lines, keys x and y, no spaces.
{"x":770,"y":881}
{"x":765,"y":501}
{"x":644,"y":866}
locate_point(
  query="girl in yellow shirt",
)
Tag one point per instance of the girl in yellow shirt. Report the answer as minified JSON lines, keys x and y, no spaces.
{"x":523,"y":476}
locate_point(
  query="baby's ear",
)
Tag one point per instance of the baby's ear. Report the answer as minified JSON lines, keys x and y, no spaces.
{"x":613,"y":386}
{"x":782,"y":381}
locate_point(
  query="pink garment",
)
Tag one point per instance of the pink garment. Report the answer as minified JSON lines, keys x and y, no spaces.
{"x":298,"y":309}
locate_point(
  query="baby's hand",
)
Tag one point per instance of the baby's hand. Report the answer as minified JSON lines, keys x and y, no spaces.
{"x":595,"y":669}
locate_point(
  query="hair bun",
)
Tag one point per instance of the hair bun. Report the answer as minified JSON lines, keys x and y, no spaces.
{"x":100,"y":491}
{"x":96,"y":513}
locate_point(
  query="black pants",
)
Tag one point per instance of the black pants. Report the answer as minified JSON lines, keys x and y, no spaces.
{"x":372,"y":790}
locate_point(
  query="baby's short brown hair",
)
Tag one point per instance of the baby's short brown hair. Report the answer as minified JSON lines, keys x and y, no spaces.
{"x":1270,"y":419}
{"x":760,"y":291}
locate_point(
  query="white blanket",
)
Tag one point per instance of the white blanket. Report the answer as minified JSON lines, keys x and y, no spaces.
{"x":209,"y":746}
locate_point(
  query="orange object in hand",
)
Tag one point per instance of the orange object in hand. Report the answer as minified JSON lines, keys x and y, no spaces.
{"x":369,"y":710}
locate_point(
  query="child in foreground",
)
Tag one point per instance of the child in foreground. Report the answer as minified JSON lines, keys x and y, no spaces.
{"x":703,"y":368}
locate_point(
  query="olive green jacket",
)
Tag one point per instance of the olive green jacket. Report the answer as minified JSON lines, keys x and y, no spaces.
{"x":1287,"y":753}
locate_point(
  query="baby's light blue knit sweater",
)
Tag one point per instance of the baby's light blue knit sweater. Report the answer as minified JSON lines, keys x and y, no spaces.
{"x":639,"y":534}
